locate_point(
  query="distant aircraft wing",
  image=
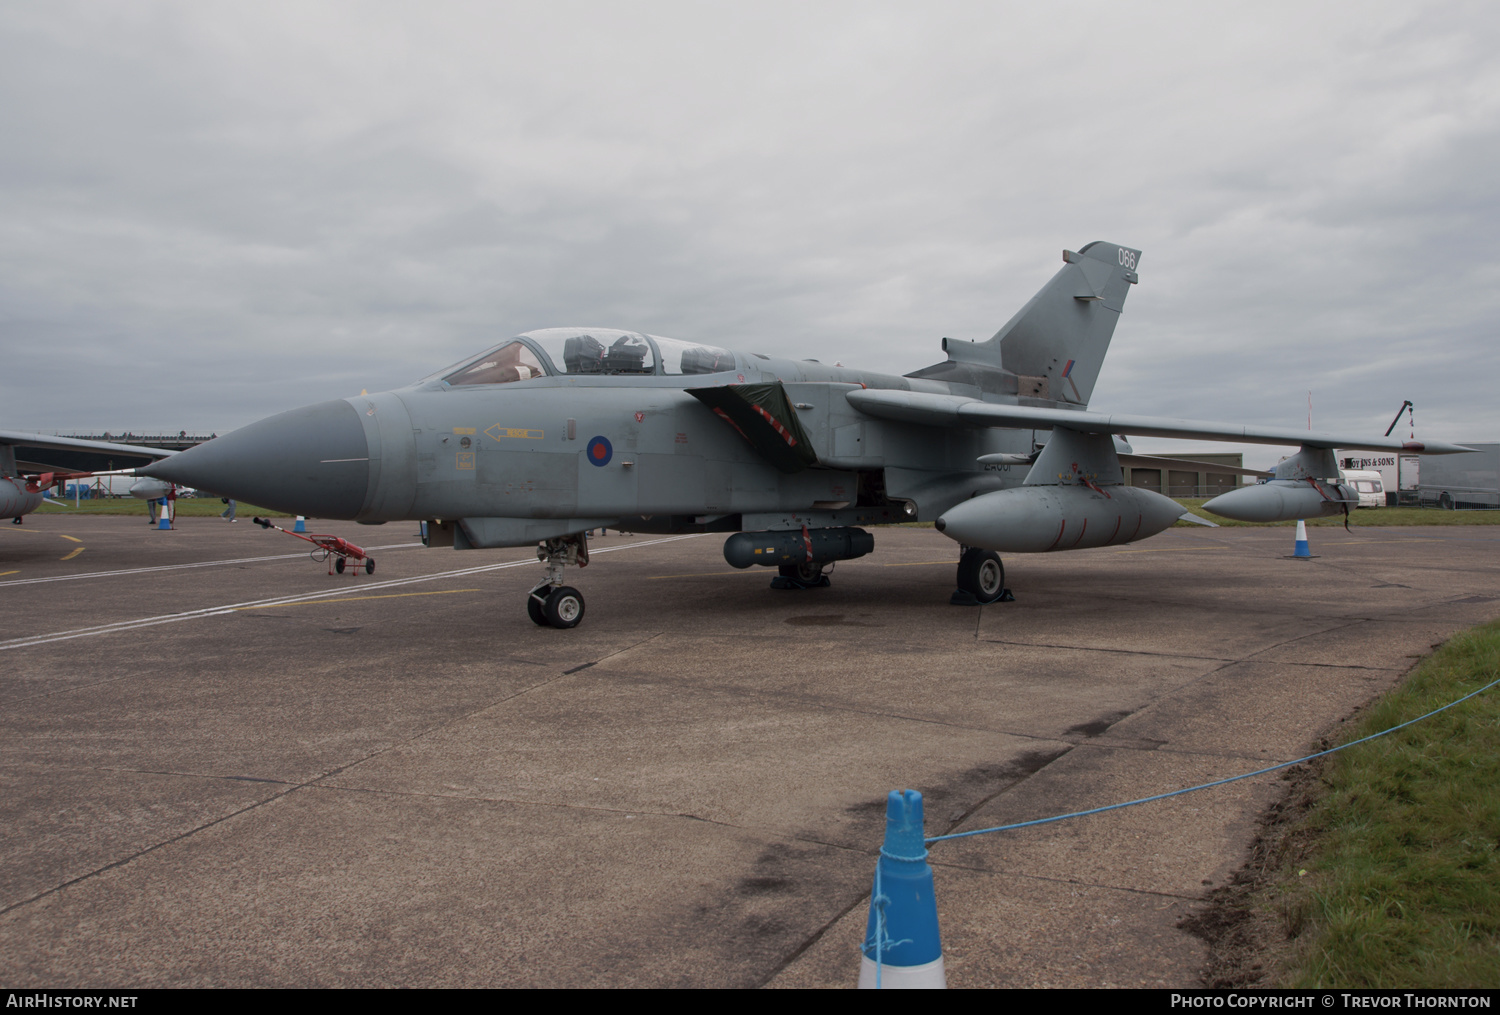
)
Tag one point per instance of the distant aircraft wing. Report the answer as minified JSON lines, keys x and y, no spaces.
{"x":957,"y":410}
{"x":42,"y":452}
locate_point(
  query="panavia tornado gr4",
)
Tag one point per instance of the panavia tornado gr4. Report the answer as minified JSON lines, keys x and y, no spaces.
{"x":31,"y":462}
{"x":560,"y":431}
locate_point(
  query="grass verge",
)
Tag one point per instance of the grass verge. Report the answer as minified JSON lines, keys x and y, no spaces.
{"x":1403,"y":887}
{"x":1382,"y":868}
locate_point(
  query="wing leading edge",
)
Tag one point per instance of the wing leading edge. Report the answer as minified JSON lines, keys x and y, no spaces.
{"x":957,"y":410}
{"x":43,"y":451}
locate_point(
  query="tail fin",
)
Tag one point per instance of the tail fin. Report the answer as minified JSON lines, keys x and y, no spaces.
{"x":1058,"y":340}
{"x":1055,"y":345}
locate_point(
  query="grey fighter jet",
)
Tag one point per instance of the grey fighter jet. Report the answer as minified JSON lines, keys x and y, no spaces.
{"x":560,"y":431}
{"x":30,"y":462}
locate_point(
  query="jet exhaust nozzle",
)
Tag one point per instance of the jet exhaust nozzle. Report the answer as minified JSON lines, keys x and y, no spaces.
{"x":796,"y":546}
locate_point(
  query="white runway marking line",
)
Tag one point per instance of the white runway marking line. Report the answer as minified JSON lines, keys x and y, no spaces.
{"x":178,"y":567}
{"x":217,"y":611}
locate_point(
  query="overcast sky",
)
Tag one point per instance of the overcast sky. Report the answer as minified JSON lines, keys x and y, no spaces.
{"x":210,"y":212}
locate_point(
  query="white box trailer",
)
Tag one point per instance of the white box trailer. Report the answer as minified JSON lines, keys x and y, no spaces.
{"x":1469,"y":480}
{"x":1398,"y":473}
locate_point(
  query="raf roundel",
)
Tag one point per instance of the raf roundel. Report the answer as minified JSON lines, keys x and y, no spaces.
{"x":599,"y":451}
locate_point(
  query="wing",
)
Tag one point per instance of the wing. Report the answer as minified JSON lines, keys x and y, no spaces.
{"x":43,"y":452}
{"x":957,"y":410}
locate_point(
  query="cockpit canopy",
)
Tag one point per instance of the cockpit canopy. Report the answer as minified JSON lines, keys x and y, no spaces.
{"x":513,"y":361}
{"x":592,"y":351}
{"x":595,"y":350}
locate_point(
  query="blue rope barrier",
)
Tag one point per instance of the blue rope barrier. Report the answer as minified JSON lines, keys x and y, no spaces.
{"x":882,"y":937}
{"x":1208,"y":785}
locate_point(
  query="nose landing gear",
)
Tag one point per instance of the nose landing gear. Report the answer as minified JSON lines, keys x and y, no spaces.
{"x":551,"y":603}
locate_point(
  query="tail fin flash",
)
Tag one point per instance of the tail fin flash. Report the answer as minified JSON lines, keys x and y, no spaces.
{"x":1054,"y":346}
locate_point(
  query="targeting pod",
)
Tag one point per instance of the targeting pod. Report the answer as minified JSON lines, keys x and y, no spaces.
{"x":778,"y":548}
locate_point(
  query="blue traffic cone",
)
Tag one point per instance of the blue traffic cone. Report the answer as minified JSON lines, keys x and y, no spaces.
{"x":164,"y":520}
{"x":1301,"y":548}
{"x":301,"y":525}
{"x":902,"y":947}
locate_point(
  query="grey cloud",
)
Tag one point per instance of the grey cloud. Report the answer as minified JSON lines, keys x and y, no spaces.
{"x":209,"y":213}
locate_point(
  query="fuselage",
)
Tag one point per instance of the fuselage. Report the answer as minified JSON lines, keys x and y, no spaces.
{"x":519,"y":436}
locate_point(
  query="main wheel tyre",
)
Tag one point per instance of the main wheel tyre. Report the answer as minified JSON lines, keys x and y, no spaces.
{"x":564,"y":607}
{"x":807,"y":573}
{"x":1445,"y":502}
{"x":339,"y":565}
{"x":536,"y":609}
{"x":981,"y":574}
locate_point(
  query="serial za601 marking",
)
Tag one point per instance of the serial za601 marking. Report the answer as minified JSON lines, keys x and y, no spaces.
{"x":560,"y":431}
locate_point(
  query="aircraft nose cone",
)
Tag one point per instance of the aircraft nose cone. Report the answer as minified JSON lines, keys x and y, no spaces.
{"x":310,"y":461}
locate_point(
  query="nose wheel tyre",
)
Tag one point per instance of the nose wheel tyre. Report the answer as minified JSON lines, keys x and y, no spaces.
{"x":564,"y":607}
{"x":981,"y":574}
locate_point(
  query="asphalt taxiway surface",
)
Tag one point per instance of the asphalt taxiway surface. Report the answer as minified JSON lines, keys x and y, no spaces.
{"x":224,"y":767}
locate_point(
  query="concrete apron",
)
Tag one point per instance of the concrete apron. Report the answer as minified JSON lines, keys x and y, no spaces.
{"x":417,"y":786}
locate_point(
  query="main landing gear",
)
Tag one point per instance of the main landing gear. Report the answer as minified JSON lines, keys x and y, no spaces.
{"x":981,"y":579}
{"x":551,"y":603}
